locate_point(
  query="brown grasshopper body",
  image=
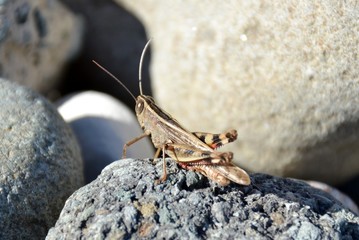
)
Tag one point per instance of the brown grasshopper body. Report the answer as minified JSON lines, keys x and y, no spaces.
{"x":192,"y":151}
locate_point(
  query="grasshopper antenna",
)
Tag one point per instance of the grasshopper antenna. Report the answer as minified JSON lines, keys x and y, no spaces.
{"x":140,"y":66}
{"x":108,"y":72}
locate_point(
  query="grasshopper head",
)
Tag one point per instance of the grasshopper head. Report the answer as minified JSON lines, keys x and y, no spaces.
{"x":149,"y":114}
{"x":142,"y":103}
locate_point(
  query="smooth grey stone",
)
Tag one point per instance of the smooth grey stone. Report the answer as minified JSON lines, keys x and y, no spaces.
{"x":125,"y":203}
{"x":40,"y":163}
{"x":102,"y":125}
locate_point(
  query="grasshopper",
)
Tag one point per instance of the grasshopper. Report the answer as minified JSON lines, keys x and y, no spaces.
{"x":192,"y":150}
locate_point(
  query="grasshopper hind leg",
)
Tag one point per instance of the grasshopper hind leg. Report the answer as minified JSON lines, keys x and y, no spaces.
{"x":217,"y":140}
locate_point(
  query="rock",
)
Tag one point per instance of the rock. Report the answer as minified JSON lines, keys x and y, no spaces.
{"x":102,"y":126}
{"x":40,"y":163}
{"x":285,"y":75}
{"x":37,"y":38}
{"x":116,"y":46}
{"x":125,"y":203}
{"x":343,"y":198}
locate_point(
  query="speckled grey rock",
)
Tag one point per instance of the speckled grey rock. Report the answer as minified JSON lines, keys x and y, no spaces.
{"x":284,"y":74}
{"x":40,"y":163}
{"x":37,"y":38}
{"x":124,"y":203}
{"x":102,"y":126}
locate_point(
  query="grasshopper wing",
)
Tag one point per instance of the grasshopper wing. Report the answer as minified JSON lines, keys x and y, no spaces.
{"x":234,"y":173}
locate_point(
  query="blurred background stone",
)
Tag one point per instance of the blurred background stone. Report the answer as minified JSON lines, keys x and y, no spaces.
{"x":351,"y":188}
{"x":102,"y":126}
{"x":40,"y":163}
{"x":37,"y":39}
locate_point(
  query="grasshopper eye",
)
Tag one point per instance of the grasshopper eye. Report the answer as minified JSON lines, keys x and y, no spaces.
{"x":139,"y":106}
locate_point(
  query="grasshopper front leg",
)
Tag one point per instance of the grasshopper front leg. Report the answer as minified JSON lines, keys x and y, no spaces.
{"x":129,"y":143}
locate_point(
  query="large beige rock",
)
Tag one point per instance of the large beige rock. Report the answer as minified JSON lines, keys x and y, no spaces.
{"x":36,"y":39}
{"x":285,"y":75}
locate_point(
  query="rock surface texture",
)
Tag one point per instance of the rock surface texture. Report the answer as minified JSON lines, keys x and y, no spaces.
{"x":40,"y":163}
{"x":125,"y":203}
{"x":37,"y":37}
{"x":284,"y":74}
